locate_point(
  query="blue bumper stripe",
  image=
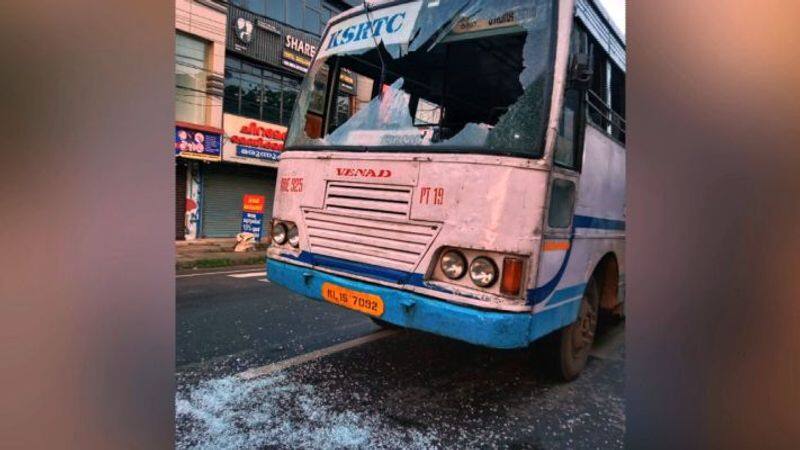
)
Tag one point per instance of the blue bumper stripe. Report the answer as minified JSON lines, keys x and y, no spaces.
{"x":410,"y":310}
{"x":355,"y":268}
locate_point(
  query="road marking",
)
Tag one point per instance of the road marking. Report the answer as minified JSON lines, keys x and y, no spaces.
{"x":260,"y":273}
{"x":216,"y":273}
{"x":302,"y":359}
{"x":264,"y":280}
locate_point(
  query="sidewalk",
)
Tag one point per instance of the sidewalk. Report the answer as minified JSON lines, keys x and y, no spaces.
{"x":207,"y":253}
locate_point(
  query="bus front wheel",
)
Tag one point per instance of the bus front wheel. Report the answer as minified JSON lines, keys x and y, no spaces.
{"x":575,"y":341}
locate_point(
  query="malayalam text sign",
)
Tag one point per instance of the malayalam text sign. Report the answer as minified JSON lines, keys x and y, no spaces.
{"x":250,"y":141}
{"x":253,"y":203}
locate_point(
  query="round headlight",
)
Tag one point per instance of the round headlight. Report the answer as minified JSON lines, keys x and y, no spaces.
{"x":483,"y":272}
{"x":294,"y":236}
{"x":279,"y":233}
{"x":453,"y":264}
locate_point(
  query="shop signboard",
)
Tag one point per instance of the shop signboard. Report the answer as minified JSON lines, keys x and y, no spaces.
{"x":298,"y":52}
{"x":197,"y":142}
{"x":250,"y":141}
{"x":253,"y":223}
{"x":268,"y":41}
{"x":347,"y":81}
{"x":253,"y":214}
{"x":253,"y":203}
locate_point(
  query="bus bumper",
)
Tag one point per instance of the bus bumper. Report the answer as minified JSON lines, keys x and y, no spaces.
{"x":410,"y":310}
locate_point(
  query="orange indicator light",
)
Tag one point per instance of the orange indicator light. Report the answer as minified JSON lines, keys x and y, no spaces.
{"x":512,"y":276}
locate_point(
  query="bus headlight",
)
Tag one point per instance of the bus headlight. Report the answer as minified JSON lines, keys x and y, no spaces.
{"x":453,"y":264}
{"x":483,"y":272}
{"x":279,"y":233}
{"x":294,"y":236}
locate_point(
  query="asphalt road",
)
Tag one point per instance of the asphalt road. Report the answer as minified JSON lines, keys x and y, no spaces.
{"x":399,"y":390}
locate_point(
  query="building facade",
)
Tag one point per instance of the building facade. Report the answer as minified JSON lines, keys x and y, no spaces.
{"x":260,"y":50}
{"x":200,"y":30}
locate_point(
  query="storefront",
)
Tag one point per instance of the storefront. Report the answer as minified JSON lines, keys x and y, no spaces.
{"x":225,"y":187}
{"x":249,"y":168}
{"x":200,"y":30}
{"x":195,"y":146}
{"x":265,"y":63}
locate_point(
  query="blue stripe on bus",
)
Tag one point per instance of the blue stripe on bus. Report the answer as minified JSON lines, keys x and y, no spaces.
{"x":353,"y":267}
{"x":540,"y":293}
{"x":567,"y":293}
{"x":598,"y":223}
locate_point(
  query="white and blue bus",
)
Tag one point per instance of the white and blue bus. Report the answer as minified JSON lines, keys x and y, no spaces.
{"x":458,"y":167}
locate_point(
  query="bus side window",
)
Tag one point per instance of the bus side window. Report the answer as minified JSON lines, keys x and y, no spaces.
{"x":562,"y":198}
{"x":566,"y":153}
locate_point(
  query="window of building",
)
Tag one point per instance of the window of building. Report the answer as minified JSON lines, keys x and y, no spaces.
{"x":326,"y":12}
{"x":273,"y":97}
{"x":342,"y":110}
{"x":251,"y":86}
{"x":191,"y":69}
{"x":294,"y":14}
{"x":308,"y":15}
{"x":258,"y":92}
{"x":326,"y":15}
{"x":276,"y":9}
{"x":291,"y":89}
{"x":312,"y":20}
{"x":256,"y":6}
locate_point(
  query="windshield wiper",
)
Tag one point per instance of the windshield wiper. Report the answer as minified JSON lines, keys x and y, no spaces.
{"x":375,"y":40}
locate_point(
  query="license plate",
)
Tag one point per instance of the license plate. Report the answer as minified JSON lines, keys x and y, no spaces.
{"x":359,"y":301}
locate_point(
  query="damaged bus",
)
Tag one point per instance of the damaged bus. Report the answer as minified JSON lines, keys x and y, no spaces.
{"x":458,"y":167}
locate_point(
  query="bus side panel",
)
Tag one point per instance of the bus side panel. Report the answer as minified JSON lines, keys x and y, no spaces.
{"x":600,"y":211}
{"x":601,"y":191}
{"x":598,"y":229}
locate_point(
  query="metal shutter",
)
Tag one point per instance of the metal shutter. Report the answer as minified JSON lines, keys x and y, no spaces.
{"x":180,"y":200}
{"x":224,"y":185}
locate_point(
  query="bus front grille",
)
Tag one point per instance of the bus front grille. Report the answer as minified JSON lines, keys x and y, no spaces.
{"x":354,"y":236}
{"x":387,"y":202}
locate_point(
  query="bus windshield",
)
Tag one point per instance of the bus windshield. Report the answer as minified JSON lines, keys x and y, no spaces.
{"x":470,"y":76}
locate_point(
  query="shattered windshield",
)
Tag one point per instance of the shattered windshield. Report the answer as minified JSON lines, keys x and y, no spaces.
{"x":447,"y":75}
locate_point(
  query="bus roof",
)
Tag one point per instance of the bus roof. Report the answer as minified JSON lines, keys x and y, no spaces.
{"x":617,"y":33}
{"x":602,"y":28}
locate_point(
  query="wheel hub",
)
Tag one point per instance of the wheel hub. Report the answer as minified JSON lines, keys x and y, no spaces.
{"x":583,"y":335}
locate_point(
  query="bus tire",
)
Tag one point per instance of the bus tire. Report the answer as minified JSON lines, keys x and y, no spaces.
{"x":575,"y":340}
{"x":383,"y":324}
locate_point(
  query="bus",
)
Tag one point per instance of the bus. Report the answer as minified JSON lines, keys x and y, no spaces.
{"x":458,"y":167}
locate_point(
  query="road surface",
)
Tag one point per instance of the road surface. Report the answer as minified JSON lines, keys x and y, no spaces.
{"x":258,"y":366}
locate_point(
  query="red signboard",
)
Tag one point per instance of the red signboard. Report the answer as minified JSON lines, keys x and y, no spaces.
{"x":253,"y":203}
{"x":266,"y":136}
